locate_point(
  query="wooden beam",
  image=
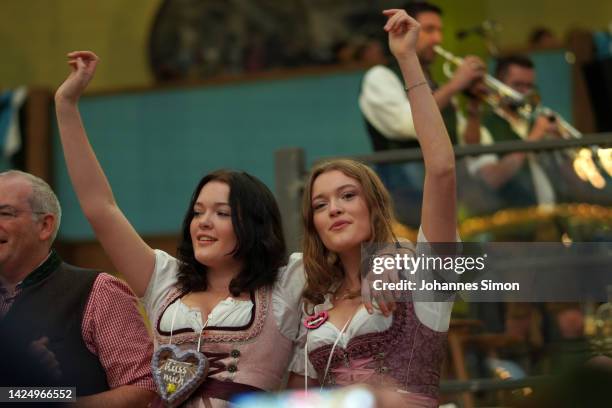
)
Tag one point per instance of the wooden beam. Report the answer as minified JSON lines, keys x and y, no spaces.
{"x":37,"y":134}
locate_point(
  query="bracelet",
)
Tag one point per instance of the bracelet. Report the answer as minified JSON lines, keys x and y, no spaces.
{"x":411,"y":87}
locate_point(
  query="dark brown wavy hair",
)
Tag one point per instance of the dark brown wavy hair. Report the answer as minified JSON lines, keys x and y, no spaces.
{"x":257,"y":224}
{"x":323,"y":267}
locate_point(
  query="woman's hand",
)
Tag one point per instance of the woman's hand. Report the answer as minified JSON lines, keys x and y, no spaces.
{"x":82,"y":68}
{"x":403,"y":32}
{"x":40,"y":352}
{"x":385,"y":299}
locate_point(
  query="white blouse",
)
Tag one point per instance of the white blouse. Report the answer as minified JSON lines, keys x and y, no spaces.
{"x":229,"y":312}
{"x":434,"y":315}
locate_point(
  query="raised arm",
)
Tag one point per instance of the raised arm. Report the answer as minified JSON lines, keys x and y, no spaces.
{"x":132,"y":257}
{"x":439,"y":216}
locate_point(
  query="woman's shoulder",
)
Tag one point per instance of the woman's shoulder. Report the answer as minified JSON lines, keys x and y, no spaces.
{"x":287,"y":294}
{"x":295,"y":258}
{"x":165,"y":261}
{"x":163,"y":280}
{"x":291,"y":280}
{"x":292,"y":274}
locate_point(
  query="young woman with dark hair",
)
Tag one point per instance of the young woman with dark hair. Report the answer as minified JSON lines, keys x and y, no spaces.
{"x":346,"y":205}
{"x":230,"y":295}
{"x":259,"y":235}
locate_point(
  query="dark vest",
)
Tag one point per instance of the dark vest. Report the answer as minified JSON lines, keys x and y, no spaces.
{"x":519,"y":191}
{"x":54,"y":307}
{"x":380,"y":142}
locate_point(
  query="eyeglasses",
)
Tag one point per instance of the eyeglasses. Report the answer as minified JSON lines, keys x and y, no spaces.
{"x":523,"y":86}
{"x":10,"y":213}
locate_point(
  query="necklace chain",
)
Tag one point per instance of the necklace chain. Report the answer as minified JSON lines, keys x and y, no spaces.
{"x":346,"y":295}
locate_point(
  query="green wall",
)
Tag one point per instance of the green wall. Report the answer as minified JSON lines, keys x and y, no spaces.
{"x":36,"y":35}
{"x":127,"y":130}
{"x":519,"y":17}
{"x":155,"y":146}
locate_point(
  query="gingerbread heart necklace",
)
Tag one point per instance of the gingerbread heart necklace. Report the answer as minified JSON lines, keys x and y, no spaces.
{"x":178,"y":373}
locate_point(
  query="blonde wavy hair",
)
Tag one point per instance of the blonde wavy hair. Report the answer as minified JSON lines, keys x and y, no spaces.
{"x":323,"y":267}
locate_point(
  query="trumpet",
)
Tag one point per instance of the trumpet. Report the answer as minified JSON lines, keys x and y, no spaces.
{"x":529,"y":107}
{"x":498,"y":91}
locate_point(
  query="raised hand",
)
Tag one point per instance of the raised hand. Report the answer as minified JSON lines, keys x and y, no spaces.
{"x":471,"y":70}
{"x":403,"y":32}
{"x":543,"y":126}
{"x":82,"y":68}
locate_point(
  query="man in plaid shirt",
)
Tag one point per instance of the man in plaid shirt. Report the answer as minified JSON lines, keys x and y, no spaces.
{"x":83,"y":327}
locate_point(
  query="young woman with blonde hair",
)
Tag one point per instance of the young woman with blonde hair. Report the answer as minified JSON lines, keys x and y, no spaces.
{"x":345,"y":205}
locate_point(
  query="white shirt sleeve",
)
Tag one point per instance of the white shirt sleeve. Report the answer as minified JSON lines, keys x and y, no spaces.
{"x":385,"y":105}
{"x":287,"y":294}
{"x":474,"y":164}
{"x":435,"y":315}
{"x":163,"y":279}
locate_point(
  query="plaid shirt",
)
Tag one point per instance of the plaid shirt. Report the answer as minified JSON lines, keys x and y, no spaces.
{"x":112,"y":328}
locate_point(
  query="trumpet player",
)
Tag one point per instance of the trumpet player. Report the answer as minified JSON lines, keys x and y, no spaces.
{"x":384,"y":104}
{"x":517,"y":178}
